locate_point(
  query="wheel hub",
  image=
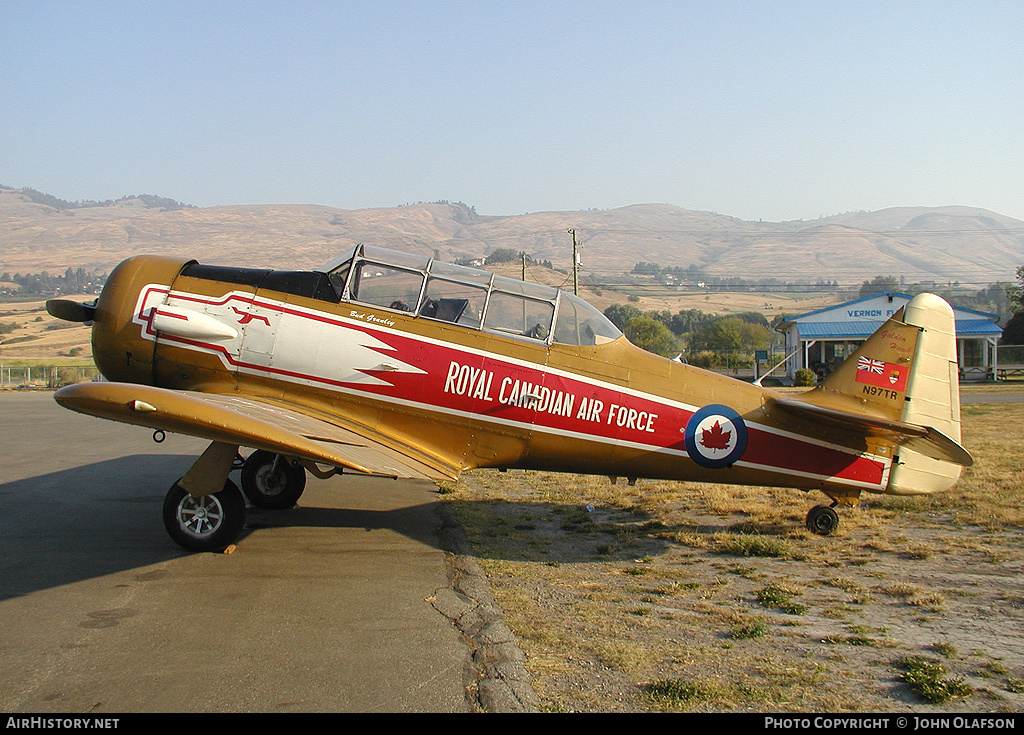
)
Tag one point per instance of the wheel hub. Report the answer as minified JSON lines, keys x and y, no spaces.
{"x":269,"y":481}
{"x":199,"y":516}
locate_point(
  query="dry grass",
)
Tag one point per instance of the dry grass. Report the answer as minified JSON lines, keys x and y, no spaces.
{"x":678,"y":596}
{"x":989,"y":493}
{"x":31,"y":336}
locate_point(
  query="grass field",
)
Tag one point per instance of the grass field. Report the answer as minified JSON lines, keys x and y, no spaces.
{"x":677,"y":596}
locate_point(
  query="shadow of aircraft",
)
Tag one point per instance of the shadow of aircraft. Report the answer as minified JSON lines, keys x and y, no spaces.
{"x":105,"y":517}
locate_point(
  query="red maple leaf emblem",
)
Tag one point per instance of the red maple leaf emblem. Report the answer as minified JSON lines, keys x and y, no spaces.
{"x":715,"y":438}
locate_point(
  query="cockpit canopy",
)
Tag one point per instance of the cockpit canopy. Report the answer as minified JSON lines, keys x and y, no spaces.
{"x":474,"y":298}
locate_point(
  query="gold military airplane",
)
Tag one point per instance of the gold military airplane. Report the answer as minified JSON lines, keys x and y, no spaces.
{"x":390,"y":364}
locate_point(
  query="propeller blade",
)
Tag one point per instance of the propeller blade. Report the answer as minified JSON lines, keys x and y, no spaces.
{"x":70,"y":311}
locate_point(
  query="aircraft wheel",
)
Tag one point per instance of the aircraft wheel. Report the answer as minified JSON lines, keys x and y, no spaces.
{"x":208,"y":523}
{"x":822,"y":520}
{"x":272,"y":483}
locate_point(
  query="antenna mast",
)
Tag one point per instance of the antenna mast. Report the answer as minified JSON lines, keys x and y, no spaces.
{"x":575,"y":264}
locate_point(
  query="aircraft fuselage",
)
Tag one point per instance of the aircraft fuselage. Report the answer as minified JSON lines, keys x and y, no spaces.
{"x":462,"y":395}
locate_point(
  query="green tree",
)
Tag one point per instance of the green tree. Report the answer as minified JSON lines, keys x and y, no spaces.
{"x":752,"y":317}
{"x":646,"y":269}
{"x":621,"y":314}
{"x":730,"y":333}
{"x":651,"y":335}
{"x":1013,"y":332}
{"x":879,"y":284}
{"x":689,"y":320}
{"x":1016,"y":293}
{"x":503,"y":255}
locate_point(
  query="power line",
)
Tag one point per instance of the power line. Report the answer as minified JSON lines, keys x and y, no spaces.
{"x":778,"y":286}
{"x":850,"y":232}
{"x":805,"y":232}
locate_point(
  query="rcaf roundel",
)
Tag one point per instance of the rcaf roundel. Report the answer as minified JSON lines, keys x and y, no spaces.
{"x":715,"y":436}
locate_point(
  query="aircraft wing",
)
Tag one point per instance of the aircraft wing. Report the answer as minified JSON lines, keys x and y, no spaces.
{"x":258,"y":422}
{"x":924,"y":439}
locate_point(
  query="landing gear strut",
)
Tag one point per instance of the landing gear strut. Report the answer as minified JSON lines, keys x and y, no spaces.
{"x":822,"y":520}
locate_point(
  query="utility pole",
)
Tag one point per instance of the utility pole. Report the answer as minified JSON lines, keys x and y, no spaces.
{"x":575,"y":264}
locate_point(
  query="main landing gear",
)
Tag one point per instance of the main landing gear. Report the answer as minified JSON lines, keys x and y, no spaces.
{"x":272,"y":481}
{"x":205,"y":511}
{"x":205,"y":523}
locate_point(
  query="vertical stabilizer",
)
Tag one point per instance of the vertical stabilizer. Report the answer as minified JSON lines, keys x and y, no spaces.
{"x":932,"y":397}
{"x":902,"y":386}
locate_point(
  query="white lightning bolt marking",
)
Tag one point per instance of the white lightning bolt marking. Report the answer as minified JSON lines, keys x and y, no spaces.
{"x":331,"y":352}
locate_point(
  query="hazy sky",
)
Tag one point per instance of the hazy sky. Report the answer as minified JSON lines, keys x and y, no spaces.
{"x":759,"y":110}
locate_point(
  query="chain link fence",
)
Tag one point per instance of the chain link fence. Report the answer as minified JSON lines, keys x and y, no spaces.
{"x":40,"y":377}
{"x":743,"y":364}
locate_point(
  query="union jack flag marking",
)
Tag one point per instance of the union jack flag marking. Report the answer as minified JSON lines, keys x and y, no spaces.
{"x":869,"y":365}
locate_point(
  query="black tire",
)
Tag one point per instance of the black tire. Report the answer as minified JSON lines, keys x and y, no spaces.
{"x":208,"y":523}
{"x":822,"y":520}
{"x":271,"y":487}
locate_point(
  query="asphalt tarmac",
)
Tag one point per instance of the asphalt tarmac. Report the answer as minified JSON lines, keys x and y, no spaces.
{"x":1006,"y":397}
{"x":358,"y":600}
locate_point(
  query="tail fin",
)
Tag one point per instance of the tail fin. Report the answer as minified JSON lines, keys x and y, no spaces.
{"x":902,"y":386}
{"x":933,"y":397}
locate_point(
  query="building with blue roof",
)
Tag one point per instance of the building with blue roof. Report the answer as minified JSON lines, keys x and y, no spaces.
{"x":821,"y":339}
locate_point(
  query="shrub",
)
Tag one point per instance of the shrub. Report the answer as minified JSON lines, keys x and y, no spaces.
{"x":804,"y":377}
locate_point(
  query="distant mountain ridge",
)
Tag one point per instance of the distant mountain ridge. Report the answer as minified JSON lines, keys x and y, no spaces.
{"x":145,"y":200}
{"x":942,"y":244}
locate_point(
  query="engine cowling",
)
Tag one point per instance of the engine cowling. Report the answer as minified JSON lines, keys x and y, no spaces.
{"x":121,"y":353}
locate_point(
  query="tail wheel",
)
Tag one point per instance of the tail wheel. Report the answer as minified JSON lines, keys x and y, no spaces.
{"x":822,"y":520}
{"x":272,"y":481}
{"x":205,"y":523}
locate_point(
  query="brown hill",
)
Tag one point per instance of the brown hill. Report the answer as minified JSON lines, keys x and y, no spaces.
{"x":945,"y":244}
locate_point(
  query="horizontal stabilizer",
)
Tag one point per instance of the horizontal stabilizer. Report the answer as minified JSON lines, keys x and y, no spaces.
{"x":923,"y":439}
